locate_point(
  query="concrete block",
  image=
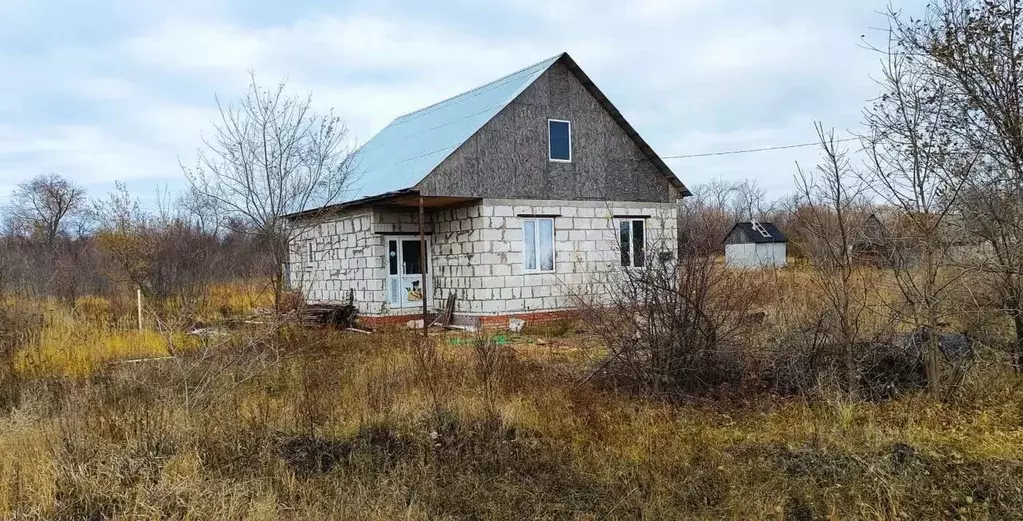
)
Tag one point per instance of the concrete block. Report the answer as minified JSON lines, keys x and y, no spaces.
{"x":514,"y":281}
{"x":503,"y":211}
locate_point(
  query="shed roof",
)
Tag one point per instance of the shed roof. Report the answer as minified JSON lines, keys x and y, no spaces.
{"x":754,"y":236}
{"x":413,"y":145}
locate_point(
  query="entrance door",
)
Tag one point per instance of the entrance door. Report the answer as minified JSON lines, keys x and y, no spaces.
{"x":405,"y":268}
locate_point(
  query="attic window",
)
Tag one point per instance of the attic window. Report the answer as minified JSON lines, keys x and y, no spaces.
{"x":560,"y":136}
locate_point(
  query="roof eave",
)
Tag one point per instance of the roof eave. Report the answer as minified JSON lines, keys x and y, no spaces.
{"x":347,"y":205}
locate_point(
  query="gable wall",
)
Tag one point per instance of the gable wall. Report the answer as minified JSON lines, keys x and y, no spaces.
{"x":738,"y":236}
{"x":508,"y":157}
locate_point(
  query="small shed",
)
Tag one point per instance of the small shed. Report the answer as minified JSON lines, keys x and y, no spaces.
{"x":755,"y":244}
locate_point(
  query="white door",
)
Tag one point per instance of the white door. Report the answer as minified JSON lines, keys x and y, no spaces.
{"x":405,"y":268}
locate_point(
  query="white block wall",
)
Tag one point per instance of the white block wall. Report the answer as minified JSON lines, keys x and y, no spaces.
{"x":755,"y":255}
{"x":476,"y":251}
{"x":346,"y":254}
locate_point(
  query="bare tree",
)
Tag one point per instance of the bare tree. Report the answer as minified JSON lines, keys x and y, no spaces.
{"x":750,"y":201}
{"x":975,"y":50}
{"x":45,"y":203}
{"x":915,"y":165}
{"x":270,"y":156}
{"x":832,"y":204}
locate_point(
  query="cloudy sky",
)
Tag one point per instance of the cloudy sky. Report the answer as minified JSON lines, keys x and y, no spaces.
{"x":121,"y":90}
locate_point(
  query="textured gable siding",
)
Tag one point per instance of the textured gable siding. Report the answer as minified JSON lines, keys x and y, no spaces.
{"x":737,"y":236}
{"x":508,"y":157}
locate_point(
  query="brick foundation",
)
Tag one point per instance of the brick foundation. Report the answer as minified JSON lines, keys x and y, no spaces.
{"x":490,"y":321}
{"x":533,"y":317}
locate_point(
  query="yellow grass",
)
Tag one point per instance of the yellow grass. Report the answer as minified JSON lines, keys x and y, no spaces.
{"x":239,"y":298}
{"x":71,"y":345}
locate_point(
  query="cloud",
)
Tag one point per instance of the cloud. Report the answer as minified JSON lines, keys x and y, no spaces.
{"x":128,"y":95}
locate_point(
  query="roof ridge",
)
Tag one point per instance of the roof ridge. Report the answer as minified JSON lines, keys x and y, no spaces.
{"x":479,"y":87}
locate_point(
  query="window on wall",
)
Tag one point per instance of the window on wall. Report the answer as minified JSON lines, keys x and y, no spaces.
{"x":538,"y":244}
{"x":559,"y":134}
{"x":309,"y":252}
{"x":632,"y":241}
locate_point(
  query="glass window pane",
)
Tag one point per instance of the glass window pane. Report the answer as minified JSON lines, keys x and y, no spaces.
{"x":410,"y":255}
{"x":529,"y":244}
{"x":623,"y":242}
{"x":546,"y":246}
{"x":638,"y":243}
{"x":561,"y":144}
{"x":392,"y":257}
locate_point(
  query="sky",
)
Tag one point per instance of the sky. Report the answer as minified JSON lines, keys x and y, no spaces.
{"x":120,"y":90}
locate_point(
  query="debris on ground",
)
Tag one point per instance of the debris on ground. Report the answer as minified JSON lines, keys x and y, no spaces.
{"x":515,"y":325}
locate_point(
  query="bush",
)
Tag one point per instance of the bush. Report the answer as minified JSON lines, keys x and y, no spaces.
{"x":678,"y":326}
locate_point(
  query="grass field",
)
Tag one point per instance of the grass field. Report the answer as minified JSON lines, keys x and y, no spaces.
{"x":336,"y":425}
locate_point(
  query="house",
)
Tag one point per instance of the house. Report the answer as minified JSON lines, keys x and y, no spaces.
{"x":755,"y":244}
{"x":528,"y":191}
{"x":873,"y":245}
{"x":891,"y":238}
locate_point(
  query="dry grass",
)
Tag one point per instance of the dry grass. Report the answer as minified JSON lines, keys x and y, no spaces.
{"x":73,"y":345}
{"x":348,"y":426}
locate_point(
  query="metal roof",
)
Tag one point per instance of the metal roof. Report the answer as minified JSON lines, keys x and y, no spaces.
{"x":411,"y":146}
{"x":752,"y":235}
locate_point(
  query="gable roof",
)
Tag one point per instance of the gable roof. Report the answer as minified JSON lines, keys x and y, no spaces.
{"x":412,"y":146}
{"x":752,"y":235}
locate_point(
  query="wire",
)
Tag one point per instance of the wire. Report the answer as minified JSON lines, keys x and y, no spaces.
{"x":686,"y":156}
{"x":751,"y":150}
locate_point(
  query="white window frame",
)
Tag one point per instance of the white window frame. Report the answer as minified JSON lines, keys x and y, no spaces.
{"x":632,"y":252}
{"x":536,"y":245}
{"x":549,"y":157}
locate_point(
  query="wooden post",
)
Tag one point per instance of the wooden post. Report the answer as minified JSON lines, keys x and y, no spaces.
{"x":138,"y":299}
{"x":422,"y":261}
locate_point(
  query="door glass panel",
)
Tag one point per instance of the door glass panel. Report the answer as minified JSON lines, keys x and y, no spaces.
{"x":394,"y":291}
{"x":392,"y":257}
{"x":410,"y":255}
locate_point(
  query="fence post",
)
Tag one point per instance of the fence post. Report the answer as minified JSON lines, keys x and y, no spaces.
{"x":138,"y":298}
